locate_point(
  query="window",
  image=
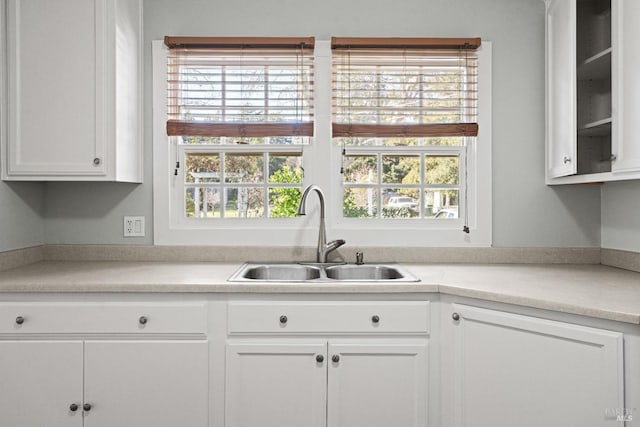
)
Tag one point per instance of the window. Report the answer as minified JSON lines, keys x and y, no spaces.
{"x":404,"y":114}
{"x":398,"y":139}
{"x":239,"y":112}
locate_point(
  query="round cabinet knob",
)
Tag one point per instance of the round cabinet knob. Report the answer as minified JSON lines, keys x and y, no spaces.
{"x":97,"y":161}
{"x":319,"y":358}
{"x":335,"y":358}
{"x":283,"y":319}
{"x":566,"y":159}
{"x":19,"y":320}
{"x":143,"y":320}
{"x":73,"y":407}
{"x":375,"y":318}
{"x":455,"y":316}
{"x":86,"y":407}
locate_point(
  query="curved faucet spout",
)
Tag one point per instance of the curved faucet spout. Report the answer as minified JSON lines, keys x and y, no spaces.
{"x":302,"y":208}
{"x":323,"y":247}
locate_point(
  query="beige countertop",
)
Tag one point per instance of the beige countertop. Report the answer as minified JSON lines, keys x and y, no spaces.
{"x":589,"y":290}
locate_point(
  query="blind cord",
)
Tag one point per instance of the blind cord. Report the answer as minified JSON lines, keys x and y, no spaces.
{"x":344,"y":150}
{"x":465,"y":227}
{"x":175,"y":171}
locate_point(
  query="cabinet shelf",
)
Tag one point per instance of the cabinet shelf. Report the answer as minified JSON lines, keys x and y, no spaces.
{"x":596,"y":128}
{"x":597,"y":66}
{"x":588,"y":77}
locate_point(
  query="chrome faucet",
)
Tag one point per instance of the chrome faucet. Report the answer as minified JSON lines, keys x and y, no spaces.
{"x":323,"y":247}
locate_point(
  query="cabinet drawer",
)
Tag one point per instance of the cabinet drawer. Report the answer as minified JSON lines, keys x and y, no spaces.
{"x":329,"y":317}
{"x":102,"y":318}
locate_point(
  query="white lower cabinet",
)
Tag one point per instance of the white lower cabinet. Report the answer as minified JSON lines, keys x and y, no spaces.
{"x":125,"y":365}
{"x":146,"y":383}
{"x":275,"y":383}
{"x":310,"y":361}
{"x":39,"y":381}
{"x":379,"y":383}
{"x":504,"y":369}
{"x":318,"y":383}
{"x":289,"y":364}
{"x":103,"y":383}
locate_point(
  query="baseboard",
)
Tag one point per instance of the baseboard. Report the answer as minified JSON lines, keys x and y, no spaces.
{"x":20,"y":257}
{"x":371,"y":254}
{"x":621,"y":259}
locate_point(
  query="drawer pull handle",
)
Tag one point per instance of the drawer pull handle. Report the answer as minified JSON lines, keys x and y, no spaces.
{"x":335,"y":358}
{"x":86,"y":407}
{"x":19,"y":320}
{"x":73,"y":407}
{"x":455,"y":316}
{"x":319,"y":358}
{"x":283,"y":319}
{"x":375,"y":318}
{"x":143,"y":320}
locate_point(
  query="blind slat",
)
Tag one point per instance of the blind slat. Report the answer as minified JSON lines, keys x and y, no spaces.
{"x":174,"y":42}
{"x":407,"y":42}
{"x":404,"y":131}
{"x":185,"y":128}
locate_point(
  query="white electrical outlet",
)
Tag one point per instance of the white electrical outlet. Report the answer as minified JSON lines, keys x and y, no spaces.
{"x":133,"y":226}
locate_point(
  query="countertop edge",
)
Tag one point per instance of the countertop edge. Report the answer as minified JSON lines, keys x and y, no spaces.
{"x":599,"y":292}
{"x":541,"y":304}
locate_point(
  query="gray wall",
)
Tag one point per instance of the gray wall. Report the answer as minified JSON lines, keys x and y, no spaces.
{"x":525,"y":211}
{"x":21,"y":215}
{"x":621,"y":216}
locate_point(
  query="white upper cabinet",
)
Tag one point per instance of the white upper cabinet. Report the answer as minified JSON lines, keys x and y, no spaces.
{"x":592,"y":96}
{"x":626,"y":24}
{"x":561,"y":88}
{"x":74,"y":71}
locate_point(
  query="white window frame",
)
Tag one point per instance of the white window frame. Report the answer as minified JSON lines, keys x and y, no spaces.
{"x":321,"y":162}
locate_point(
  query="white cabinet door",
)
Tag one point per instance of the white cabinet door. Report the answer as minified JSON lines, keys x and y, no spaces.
{"x":626,"y":62}
{"x":377,"y":383}
{"x":74,"y":72}
{"x":146,"y":383}
{"x":39,"y":381}
{"x":512,"y":370}
{"x":55,"y":84}
{"x":561,"y":88}
{"x":276,"y":383}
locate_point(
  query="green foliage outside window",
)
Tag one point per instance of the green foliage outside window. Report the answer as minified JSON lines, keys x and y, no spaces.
{"x":285,"y":200}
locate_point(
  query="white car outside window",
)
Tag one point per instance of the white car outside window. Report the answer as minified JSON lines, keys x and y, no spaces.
{"x":402,"y":202}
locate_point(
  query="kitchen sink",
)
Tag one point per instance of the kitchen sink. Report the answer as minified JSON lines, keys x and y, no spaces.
{"x":281,"y":272}
{"x":363,"y":272}
{"x":321,"y":272}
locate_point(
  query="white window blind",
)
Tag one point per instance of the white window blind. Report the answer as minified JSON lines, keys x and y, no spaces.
{"x":404,"y":87}
{"x":240,"y":87}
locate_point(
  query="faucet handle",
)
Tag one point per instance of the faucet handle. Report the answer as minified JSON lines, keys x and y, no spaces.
{"x":359,"y":258}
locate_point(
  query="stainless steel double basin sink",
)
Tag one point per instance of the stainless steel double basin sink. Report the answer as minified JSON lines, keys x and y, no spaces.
{"x":318,"y":272}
